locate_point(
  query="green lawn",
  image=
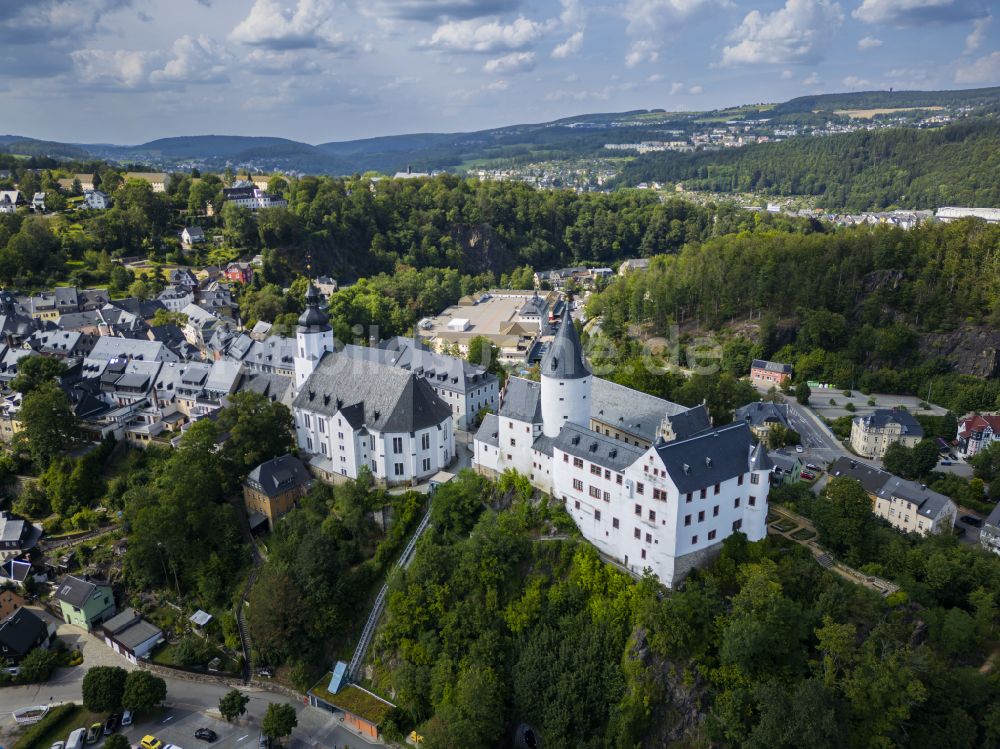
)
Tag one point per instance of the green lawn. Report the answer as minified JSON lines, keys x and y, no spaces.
{"x":57,"y":726}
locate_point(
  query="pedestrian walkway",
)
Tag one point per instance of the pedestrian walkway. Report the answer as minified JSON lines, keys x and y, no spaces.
{"x":801,"y":530}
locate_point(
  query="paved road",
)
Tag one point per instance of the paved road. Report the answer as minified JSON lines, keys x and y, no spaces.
{"x":821,"y":446}
{"x":189,"y":705}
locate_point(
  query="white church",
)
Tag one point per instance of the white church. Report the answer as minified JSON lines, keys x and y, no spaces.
{"x":650,"y":483}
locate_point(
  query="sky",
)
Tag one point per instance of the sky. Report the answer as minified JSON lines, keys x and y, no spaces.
{"x":129,"y":71}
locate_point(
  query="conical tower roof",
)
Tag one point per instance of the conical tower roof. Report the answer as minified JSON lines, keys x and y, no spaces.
{"x":564,"y":358}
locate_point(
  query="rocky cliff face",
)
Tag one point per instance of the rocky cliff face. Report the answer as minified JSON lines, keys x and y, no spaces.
{"x":971,"y":349}
{"x":482,"y":249}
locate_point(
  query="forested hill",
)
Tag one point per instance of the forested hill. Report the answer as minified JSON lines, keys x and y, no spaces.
{"x":888,"y":100}
{"x":865,"y":170}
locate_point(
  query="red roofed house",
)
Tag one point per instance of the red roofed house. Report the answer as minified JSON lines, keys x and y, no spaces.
{"x":976,"y":432}
{"x":239,"y":272}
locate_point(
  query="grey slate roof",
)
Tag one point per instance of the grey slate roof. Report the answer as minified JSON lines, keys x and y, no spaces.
{"x":442,"y":371}
{"x":871,"y":478}
{"x":21,"y":630}
{"x":759,"y":459}
{"x":489,"y":430}
{"x":689,"y":422}
{"x":313,"y":319}
{"x":279,"y":475}
{"x":771,"y":366}
{"x":993,"y":519}
{"x":630,"y":410}
{"x":391,"y":399}
{"x":596,"y":448}
{"x":881,"y":417}
{"x":564,"y":358}
{"x":708,"y":458}
{"x":522,"y":400}
{"x":929,"y":502}
{"x":75,"y":590}
{"x":763,"y":413}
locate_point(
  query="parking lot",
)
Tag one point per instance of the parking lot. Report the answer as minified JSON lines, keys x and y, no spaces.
{"x":177,"y":725}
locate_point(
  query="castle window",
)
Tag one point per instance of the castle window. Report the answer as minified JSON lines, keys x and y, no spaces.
{"x":754,"y":478}
{"x":711,"y":535}
{"x":614,"y":522}
{"x":753,"y":501}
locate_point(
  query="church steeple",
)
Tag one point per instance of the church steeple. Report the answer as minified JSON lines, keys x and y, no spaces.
{"x":313,"y":337}
{"x":564,"y":358}
{"x":313,"y":320}
{"x":565,"y":381}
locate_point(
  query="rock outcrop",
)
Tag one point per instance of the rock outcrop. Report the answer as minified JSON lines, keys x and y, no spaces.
{"x":970,"y":349}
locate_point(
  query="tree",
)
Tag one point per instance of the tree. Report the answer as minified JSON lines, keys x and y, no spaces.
{"x":38,"y":665}
{"x":33,"y":371}
{"x":240,"y":229}
{"x":233,"y":704}
{"x":898,"y":459}
{"x":143,"y":691}
{"x":259,"y":429}
{"x":117,"y":741}
{"x":802,"y":393}
{"x":103,"y":688}
{"x":842,"y":520}
{"x":986,"y":464}
{"x":278,"y":721}
{"x":49,"y":424}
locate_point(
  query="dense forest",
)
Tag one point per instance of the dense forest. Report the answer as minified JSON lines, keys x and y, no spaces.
{"x":491,"y":629}
{"x":855,"y":307}
{"x":865,"y":170}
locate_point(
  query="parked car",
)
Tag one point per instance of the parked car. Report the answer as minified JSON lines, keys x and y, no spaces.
{"x":150,"y":742}
{"x":813,"y":467}
{"x":799,"y":449}
{"x":946,"y":462}
{"x":112,"y":723}
{"x":127,"y":718}
{"x":263,"y":742}
{"x":58,"y":745}
{"x":206,"y":734}
{"x":94,"y":733}
{"x":76,"y":739}
{"x":807,"y":475}
{"x":971,"y":520}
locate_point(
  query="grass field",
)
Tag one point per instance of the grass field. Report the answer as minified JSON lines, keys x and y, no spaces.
{"x":867,"y":114}
{"x":57,"y":726}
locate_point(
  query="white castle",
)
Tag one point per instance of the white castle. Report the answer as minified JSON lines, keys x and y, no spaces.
{"x":650,"y":483}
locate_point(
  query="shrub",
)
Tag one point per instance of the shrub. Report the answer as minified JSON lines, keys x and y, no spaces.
{"x":847,"y":393}
{"x":871,"y":401}
{"x":850,"y":407}
{"x":54,"y":716}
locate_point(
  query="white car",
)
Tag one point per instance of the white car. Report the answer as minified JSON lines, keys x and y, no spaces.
{"x":799,"y":449}
{"x":58,"y":745}
{"x":127,"y":718}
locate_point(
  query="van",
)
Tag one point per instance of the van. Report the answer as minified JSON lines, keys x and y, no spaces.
{"x":75,"y":740}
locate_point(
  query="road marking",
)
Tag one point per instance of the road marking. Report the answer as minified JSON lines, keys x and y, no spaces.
{"x":242,"y":737}
{"x":168,"y":718}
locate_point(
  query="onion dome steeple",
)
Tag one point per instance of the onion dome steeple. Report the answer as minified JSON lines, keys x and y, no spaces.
{"x":313,"y":320}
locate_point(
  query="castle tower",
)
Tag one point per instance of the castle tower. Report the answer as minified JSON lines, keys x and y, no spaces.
{"x":313,"y":338}
{"x":565,"y":381}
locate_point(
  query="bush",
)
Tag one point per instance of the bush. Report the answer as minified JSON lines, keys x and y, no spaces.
{"x":871,"y":401}
{"x":850,"y":408}
{"x":833,"y":402}
{"x":194,"y":651}
{"x":847,"y":393}
{"x":38,"y":665}
{"x":54,"y":716}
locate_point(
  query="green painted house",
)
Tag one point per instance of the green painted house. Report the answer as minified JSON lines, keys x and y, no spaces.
{"x":85,"y":602}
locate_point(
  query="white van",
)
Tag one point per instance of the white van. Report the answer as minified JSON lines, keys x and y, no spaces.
{"x":75,"y":740}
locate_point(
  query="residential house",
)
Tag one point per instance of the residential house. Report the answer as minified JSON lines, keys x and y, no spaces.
{"x":989,"y":535}
{"x":762,"y":417}
{"x":634,"y":264}
{"x":769,"y":373}
{"x":38,"y":202}
{"x":252,"y":198}
{"x":192,"y":235}
{"x":16,"y":536}
{"x":182,"y":277}
{"x":84,"y":602}
{"x":325,"y":286}
{"x":10,"y":201}
{"x":976,"y":432}
{"x":20,"y":633}
{"x":158,"y":180}
{"x":913,"y":508}
{"x":176,"y":298}
{"x":199,"y":326}
{"x":239,"y":272}
{"x":787,"y":467}
{"x":10,"y":601}
{"x":872,"y":434}
{"x":131,"y":636}
{"x":96,"y":200}
{"x":273,"y":488}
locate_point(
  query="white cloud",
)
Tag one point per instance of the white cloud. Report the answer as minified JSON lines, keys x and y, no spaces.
{"x":570,"y":47}
{"x":787,"y":75}
{"x":650,"y":22}
{"x":488,"y":88}
{"x":916,"y":12}
{"x":811,"y":80}
{"x":695,"y":90}
{"x":193,"y":60}
{"x":53,"y":20}
{"x":515,"y":62}
{"x":869,"y":42}
{"x":286,"y":62}
{"x":640,"y":52}
{"x":655,"y":78}
{"x":309,"y":25}
{"x":120,"y":68}
{"x":979,"y":28}
{"x":676,"y":88}
{"x":986,"y":69}
{"x":602,"y":94}
{"x":855,"y":83}
{"x":489,"y":36}
{"x":795,"y":33}
{"x":436,"y":10}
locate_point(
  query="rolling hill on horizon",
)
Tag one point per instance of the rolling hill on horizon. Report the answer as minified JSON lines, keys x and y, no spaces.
{"x":581,"y":135}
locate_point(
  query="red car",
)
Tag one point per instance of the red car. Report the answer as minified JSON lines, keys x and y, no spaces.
{"x":807,"y":476}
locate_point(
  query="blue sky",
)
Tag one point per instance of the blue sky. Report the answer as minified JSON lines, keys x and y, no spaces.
{"x":128,"y":71}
